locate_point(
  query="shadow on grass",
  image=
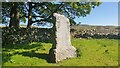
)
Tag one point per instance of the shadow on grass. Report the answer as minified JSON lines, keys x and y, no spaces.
{"x":37,"y":55}
{"x":5,"y":57}
{"x":31,"y":53}
{"x":22,"y":46}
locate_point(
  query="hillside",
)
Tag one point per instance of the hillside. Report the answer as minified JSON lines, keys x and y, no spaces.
{"x":78,"y":30}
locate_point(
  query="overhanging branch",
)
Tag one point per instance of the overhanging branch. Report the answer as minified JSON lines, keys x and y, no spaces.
{"x":47,"y":19}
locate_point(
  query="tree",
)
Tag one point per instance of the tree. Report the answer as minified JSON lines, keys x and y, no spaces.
{"x":14,"y":16}
{"x":42,"y":12}
{"x":29,"y":15}
{"x":12,"y":10}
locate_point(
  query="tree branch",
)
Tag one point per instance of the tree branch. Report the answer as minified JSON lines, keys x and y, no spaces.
{"x":46,"y":19}
{"x":26,"y":8}
{"x":55,"y":10}
{"x":37,"y":4}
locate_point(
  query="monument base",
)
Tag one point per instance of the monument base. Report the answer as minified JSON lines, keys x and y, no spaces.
{"x":61,"y":52}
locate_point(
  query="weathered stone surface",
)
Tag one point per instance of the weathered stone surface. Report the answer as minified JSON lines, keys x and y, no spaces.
{"x":62,"y":48}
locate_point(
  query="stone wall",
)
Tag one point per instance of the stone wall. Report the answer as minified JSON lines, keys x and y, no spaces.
{"x":23,"y":35}
{"x":97,"y":32}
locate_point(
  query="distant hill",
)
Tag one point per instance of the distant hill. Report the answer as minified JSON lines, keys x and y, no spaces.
{"x":100,"y":29}
{"x":89,"y":31}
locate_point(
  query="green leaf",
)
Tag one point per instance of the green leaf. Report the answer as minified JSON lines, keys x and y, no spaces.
{"x":24,"y":19}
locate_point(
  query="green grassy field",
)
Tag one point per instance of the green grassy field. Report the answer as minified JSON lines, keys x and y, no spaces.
{"x":93,"y":52}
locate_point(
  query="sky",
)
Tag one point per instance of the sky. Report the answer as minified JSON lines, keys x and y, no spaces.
{"x":105,"y":14}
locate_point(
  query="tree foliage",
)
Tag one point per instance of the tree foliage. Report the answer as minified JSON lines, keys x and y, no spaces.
{"x":42,"y":12}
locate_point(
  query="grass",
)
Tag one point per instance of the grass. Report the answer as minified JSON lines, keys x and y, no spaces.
{"x":93,"y":52}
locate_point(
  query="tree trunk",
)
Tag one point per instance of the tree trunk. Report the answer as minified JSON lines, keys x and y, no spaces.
{"x":14,"y":16}
{"x":29,"y":15}
{"x":29,"y":25}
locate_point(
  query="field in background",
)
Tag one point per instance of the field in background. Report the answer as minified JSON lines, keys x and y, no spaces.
{"x":91,"y":52}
